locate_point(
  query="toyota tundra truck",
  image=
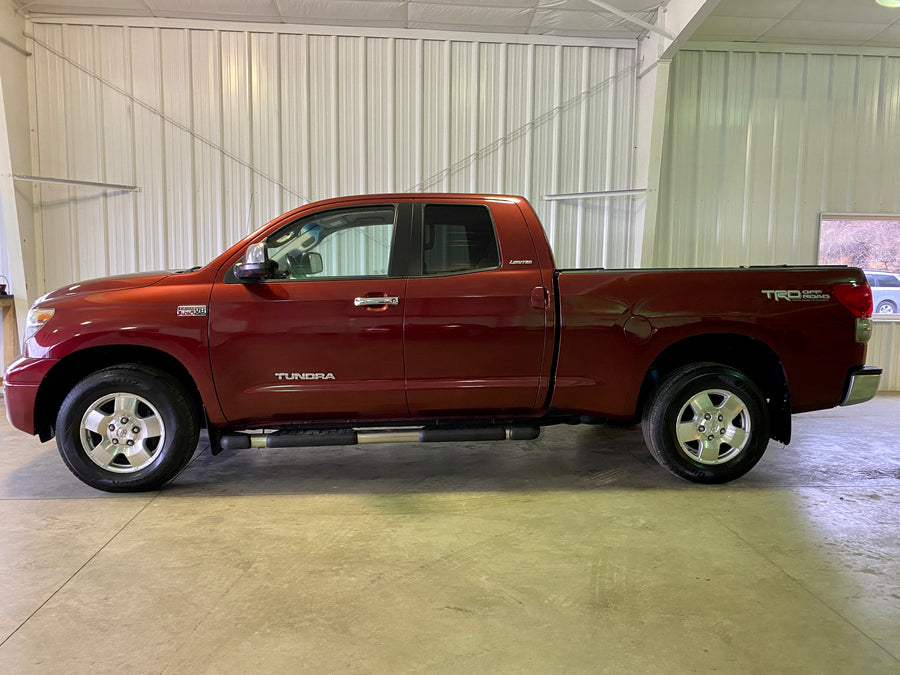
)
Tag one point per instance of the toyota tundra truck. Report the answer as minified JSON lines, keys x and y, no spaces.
{"x":430,"y":317}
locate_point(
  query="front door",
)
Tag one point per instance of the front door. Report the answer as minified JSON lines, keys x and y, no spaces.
{"x":322,"y":337}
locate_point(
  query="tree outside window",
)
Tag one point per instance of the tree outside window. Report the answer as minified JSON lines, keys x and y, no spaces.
{"x":871,"y":243}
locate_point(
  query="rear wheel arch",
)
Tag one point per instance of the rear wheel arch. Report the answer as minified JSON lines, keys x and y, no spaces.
{"x":750,"y":356}
{"x":70,"y":370}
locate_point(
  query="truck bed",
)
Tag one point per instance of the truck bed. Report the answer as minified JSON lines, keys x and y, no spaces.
{"x":616,"y":322}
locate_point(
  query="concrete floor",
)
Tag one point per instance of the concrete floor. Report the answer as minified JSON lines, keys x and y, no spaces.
{"x":574,"y":553}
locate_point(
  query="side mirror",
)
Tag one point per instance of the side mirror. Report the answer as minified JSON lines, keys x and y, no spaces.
{"x":255,"y":265}
{"x":312,"y":263}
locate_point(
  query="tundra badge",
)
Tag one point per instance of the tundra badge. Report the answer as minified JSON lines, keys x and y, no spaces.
{"x":305,"y":376}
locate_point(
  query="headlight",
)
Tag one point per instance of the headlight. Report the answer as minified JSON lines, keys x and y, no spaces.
{"x":37,"y":317}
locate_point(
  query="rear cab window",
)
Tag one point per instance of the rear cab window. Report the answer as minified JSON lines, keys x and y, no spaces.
{"x":458,"y":239}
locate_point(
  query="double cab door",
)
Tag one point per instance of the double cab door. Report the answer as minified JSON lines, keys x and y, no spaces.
{"x":383,"y":310}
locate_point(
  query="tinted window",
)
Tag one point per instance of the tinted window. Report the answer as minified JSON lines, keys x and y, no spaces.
{"x":458,"y":238}
{"x":882,"y":279}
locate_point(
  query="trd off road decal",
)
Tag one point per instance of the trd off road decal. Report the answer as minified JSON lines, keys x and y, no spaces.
{"x":805,"y":295}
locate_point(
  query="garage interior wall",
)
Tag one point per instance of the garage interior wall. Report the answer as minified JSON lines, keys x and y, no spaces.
{"x":760,"y":143}
{"x":222,"y":129}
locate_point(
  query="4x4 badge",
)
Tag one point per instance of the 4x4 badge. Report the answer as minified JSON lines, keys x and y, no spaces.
{"x":191,"y":310}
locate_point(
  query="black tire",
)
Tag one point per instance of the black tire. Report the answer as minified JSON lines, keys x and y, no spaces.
{"x":886,"y":307}
{"x":707,"y":423}
{"x":128,"y":428}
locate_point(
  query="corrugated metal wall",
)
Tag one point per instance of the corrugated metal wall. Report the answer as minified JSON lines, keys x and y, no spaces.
{"x":225,"y":129}
{"x":884,"y":352}
{"x":759,"y":144}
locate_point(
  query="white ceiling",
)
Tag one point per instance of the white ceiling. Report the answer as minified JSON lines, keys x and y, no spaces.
{"x":854,"y":23}
{"x":834,"y":22}
{"x":574,"y":18}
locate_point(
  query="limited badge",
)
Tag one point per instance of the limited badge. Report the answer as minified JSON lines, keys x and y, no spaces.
{"x":191,"y":310}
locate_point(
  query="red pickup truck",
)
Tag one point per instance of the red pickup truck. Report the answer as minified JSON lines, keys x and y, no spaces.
{"x":430,"y":317}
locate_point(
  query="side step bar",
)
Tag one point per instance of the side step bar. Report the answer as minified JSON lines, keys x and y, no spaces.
{"x":311,"y":439}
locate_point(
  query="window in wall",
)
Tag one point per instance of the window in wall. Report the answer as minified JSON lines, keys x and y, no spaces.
{"x":869,"y":242}
{"x":458,"y":238}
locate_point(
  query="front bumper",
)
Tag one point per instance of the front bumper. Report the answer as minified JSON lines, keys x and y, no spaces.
{"x":20,"y":387}
{"x":862,"y":385}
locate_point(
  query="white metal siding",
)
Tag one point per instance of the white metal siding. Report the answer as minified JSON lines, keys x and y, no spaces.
{"x":225,"y":129}
{"x":884,"y":352}
{"x":759,"y":144}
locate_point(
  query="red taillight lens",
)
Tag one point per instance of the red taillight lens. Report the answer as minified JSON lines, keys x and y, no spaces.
{"x":858,"y":299}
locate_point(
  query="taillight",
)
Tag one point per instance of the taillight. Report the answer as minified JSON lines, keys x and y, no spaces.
{"x":856,"y":298}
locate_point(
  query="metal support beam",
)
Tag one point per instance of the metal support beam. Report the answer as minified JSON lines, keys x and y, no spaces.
{"x":13,"y":45}
{"x":70,"y":181}
{"x":655,"y":88}
{"x":655,"y":53}
{"x":594,"y":195}
{"x":684,"y":18}
{"x":630,"y":18}
{"x":9,"y":219}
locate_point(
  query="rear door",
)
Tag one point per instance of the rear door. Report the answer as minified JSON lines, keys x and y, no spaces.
{"x":476,"y":317}
{"x":323,"y":337}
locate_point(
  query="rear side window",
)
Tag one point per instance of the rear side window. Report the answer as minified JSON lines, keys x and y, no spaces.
{"x":458,"y":238}
{"x":882,"y":280}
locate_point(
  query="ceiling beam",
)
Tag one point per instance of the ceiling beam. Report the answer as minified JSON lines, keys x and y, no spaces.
{"x":630,"y":18}
{"x":683,"y":18}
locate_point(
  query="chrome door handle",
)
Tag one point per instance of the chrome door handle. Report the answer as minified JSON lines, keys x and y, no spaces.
{"x":383,"y":300}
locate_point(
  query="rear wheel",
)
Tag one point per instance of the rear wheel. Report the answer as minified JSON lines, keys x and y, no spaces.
{"x":707,"y":423}
{"x":127,"y":429}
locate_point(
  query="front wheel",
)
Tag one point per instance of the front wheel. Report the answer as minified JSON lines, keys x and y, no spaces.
{"x":127,"y":429}
{"x":707,"y":423}
{"x":885,"y":307}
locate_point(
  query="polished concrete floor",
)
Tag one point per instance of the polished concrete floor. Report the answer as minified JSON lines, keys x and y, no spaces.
{"x":574,"y":553}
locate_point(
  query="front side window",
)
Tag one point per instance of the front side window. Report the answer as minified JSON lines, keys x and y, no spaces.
{"x":458,"y":238}
{"x":354,"y":242}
